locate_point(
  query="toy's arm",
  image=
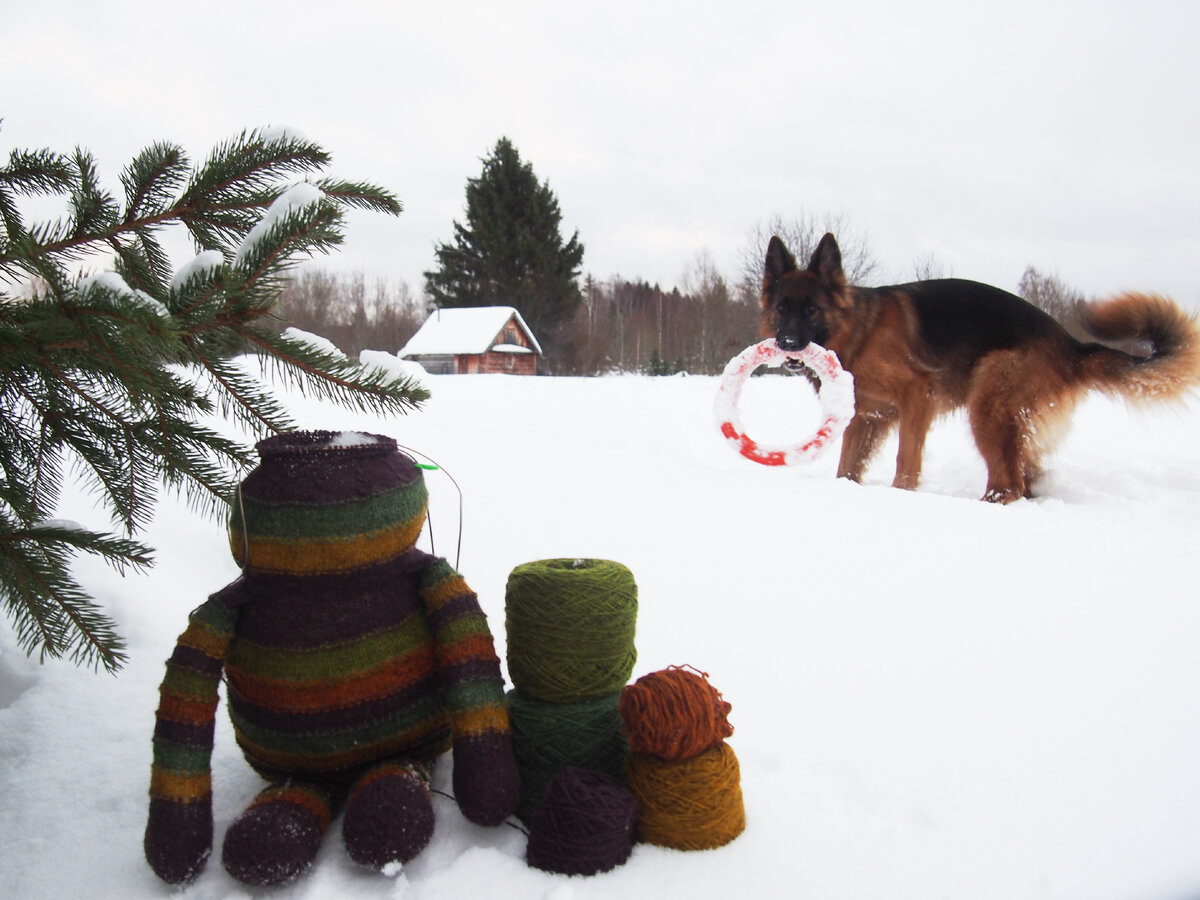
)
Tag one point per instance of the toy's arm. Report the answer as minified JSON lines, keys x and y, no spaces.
{"x":487,"y":784}
{"x":180,"y":829}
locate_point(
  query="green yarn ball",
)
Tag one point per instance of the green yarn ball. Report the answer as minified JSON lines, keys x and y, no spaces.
{"x":549,"y":737}
{"x":570,"y":627}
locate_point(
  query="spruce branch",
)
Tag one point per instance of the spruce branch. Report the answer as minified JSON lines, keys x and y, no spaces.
{"x":360,"y":195}
{"x":241,"y":397}
{"x":329,"y":374}
{"x":122,"y":375}
{"x":152,"y":180}
{"x":29,"y":173}
{"x":36,"y":172}
{"x":51,"y":613}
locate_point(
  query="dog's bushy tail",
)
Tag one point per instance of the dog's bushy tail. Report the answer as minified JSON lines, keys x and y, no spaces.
{"x":1159,"y":347}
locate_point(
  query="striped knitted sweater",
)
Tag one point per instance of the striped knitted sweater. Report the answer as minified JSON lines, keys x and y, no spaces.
{"x":341,"y":645}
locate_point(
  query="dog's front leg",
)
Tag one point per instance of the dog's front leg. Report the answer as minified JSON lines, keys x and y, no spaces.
{"x":915,"y":419}
{"x":861,"y":439}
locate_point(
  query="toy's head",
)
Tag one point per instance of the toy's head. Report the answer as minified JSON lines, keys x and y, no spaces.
{"x":324,"y":502}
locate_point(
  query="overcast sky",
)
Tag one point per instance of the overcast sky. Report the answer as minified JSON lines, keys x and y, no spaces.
{"x":993,"y":136}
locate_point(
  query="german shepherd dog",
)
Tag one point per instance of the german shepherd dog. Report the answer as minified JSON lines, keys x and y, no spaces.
{"x":920,"y":350}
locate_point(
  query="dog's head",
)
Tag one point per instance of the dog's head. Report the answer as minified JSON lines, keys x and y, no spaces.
{"x":801,"y":306}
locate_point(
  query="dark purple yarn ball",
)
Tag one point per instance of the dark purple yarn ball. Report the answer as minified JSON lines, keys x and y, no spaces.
{"x":584,"y":824}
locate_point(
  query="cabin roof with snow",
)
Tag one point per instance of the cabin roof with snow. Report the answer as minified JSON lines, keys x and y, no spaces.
{"x":468,"y":330}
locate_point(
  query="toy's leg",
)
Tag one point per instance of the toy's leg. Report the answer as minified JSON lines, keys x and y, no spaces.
{"x":389,"y":816}
{"x":278,"y":835}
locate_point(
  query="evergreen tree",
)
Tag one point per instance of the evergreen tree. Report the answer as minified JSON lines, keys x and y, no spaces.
{"x":120,"y":374}
{"x":510,"y":251}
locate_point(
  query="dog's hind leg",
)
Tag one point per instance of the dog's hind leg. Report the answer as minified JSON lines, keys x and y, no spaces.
{"x":861,"y":440}
{"x":1020,"y":405}
{"x":1001,"y":449}
{"x":999,"y":410}
{"x":1046,"y":424}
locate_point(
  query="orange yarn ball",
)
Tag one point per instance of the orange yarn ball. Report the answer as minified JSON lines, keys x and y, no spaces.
{"x":694,"y":804}
{"x":674,"y":714}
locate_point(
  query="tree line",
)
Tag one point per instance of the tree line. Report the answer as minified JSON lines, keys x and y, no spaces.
{"x":349,"y":312}
{"x":619,"y":326}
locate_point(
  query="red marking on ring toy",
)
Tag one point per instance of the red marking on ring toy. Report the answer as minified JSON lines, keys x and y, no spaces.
{"x":836,"y":394}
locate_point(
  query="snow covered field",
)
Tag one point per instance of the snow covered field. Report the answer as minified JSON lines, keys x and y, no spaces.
{"x":933,"y":697}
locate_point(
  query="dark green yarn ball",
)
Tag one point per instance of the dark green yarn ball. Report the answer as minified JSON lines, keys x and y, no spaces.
{"x":570,"y":628}
{"x":549,"y":737}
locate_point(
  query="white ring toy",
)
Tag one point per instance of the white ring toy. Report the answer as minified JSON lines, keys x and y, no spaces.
{"x":836,"y":394}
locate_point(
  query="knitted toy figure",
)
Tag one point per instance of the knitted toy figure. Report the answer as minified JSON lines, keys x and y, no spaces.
{"x":351,"y":661}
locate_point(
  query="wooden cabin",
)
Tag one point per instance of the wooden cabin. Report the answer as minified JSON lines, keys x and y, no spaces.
{"x":474,"y":340}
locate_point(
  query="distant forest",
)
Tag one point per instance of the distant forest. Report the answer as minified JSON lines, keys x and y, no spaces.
{"x":619,"y":326}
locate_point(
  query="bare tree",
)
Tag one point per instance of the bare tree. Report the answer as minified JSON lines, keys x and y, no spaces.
{"x":1050,"y":294}
{"x":801,"y":233}
{"x":395,"y":315}
{"x":927,"y":266}
{"x":726,"y":324}
{"x":634,"y":326}
{"x":585,"y":343}
{"x":340,"y":308}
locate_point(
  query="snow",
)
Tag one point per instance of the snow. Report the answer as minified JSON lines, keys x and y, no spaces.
{"x":299,"y":195}
{"x":933,"y":697}
{"x":464,"y":330}
{"x":398,"y":369}
{"x":313,"y":341}
{"x":111,"y":281}
{"x":282,"y":133}
{"x":62,"y":524}
{"x":351,"y":439}
{"x":204,"y":263}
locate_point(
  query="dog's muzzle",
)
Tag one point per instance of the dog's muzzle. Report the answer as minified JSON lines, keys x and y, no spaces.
{"x":790,"y":343}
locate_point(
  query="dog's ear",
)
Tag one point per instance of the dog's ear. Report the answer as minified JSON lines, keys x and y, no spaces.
{"x":826,"y":262}
{"x":779,"y":260}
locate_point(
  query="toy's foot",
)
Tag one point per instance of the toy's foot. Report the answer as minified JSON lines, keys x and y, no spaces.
{"x":277,"y":837}
{"x":389,"y":816}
